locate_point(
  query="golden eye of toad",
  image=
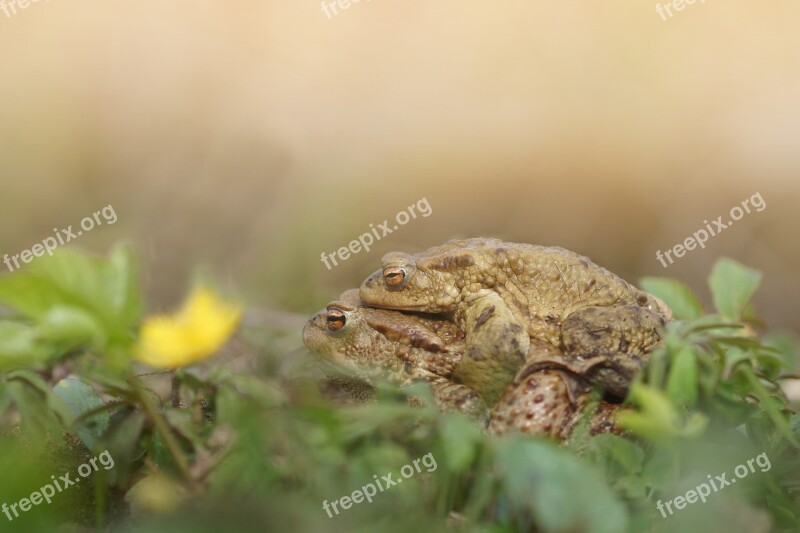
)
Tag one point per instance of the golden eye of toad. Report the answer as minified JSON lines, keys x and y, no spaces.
{"x":336,"y":320}
{"x":394,"y":276}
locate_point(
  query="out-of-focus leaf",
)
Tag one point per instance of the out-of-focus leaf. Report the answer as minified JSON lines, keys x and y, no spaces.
{"x":735,"y":355}
{"x":122,"y":284}
{"x":122,"y":442}
{"x":81,"y":398}
{"x":20,"y":346}
{"x":794,"y":424}
{"x":460,"y":438}
{"x":618,"y":452}
{"x":657,"y":419}
{"x":632,"y":486}
{"x":708,"y":324}
{"x":770,"y":364}
{"x":678,"y":296}
{"x":71,"y":327}
{"x":264,"y":393}
{"x":82,"y":279}
{"x":786,"y":348}
{"x":682,"y":381}
{"x":659,"y":469}
{"x":732,"y":285}
{"x":181,"y":421}
{"x":558,"y":491}
{"x":54,"y":403}
{"x":695,"y":425}
{"x":5,"y":397}
{"x":773,"y":410}
{"x":39,"y":423}
{"x":31,"y":295}
{"x":73,"y":294}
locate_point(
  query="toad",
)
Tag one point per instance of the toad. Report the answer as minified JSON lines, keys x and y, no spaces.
{"x":359,"y":344}
{"x":503,"y":295}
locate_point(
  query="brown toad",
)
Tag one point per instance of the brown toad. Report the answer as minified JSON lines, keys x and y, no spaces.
{"x":371,"y":344}
{"x":363,"y":345}
{"x":505,"y":294}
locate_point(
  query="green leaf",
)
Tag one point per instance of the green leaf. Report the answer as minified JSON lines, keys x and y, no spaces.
{"x":182,"y":422}
{"x":79,"y":277}
{"x":122,"y":284}
{"x":81,"y":398}
{"x":695,"y":425}
{"x":34,"y":383}
{"x":31,"y":295}
{"x":461,"y":439}
{"x":678,"y":296}
{"x":660,"y":469}
{"x":769,"y":405}
{"x":20,"y":346}
{"x":682,"y":381}
{"x":732,"y":285}
{"x":78,"y":299}
{"x":794,"y":423}
{"x":658,"y":419}
{"x":561,"y":493}
{"x":122,"y":440}
{"x":625,"y":456}
{"x":785,"y":345}
{"x":5,"y":397}
{"x":654,"y":404}
{"x":38,"y":422}
{"x":71,"y":327}
{"x":631,"y":486}
{"x":657,"y":367}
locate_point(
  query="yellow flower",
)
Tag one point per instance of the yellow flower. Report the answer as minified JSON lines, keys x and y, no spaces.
{"x":201,"y":327}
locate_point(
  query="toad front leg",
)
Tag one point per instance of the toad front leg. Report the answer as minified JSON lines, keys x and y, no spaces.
{"x":613,"y":342}
{"x":496,"y":345}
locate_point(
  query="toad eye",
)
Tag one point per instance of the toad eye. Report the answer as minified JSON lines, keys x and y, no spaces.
{"x":336,"y":320}
{"x":394,"y":276}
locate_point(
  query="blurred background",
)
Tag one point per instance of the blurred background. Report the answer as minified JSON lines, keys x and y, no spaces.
{"x":250,"y":137}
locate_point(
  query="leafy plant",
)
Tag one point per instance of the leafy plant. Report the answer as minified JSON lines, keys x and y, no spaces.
{"x":214,"y":446}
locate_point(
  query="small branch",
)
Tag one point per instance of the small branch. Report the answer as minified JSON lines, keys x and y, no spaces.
{"x":172,"y":444}
{"x":176,"y":391}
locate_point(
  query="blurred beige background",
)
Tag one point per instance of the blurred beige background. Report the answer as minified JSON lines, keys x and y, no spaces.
{"x":248,"y":137}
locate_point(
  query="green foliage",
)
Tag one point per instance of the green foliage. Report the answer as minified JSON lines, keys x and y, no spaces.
{"x":732,"y":286}
{"x":554,"y":491}
{"x":711,"y":395}
{"x":714,"y":362}
{"x":658,"y":418}
{"x":70,"y":302}
{"x":82,"y":399}
{"x":262,"y":449}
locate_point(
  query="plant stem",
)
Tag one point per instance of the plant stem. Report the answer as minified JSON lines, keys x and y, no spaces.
{"x":176,"y":391}
{"x":173,"y":447}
